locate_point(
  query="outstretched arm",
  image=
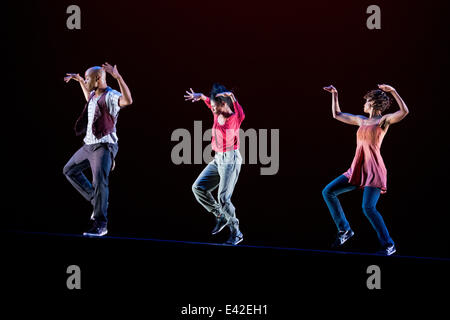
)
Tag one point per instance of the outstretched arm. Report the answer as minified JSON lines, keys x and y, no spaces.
{"x":395,"y":117}
{"x":336,"y":111}
{"x":125,"y":99}
{"x":77,"y":77}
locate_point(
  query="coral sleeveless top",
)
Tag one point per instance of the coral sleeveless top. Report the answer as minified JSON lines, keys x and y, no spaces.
{"x":367,"y":169}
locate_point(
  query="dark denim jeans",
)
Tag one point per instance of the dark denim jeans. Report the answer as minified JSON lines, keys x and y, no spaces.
{"x":369,"y":202}
{"x":99,"y":158}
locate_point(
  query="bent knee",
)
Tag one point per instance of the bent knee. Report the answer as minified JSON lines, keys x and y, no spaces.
{"x":66,"y":170}
{"x":196,"y":188}
{"x":326,"y":192}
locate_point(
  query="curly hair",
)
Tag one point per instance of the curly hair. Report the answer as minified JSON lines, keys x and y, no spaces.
{"x":381,"y":99}
{"x":218,"y":88}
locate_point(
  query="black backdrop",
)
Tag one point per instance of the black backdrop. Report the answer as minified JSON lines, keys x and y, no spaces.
{"x":276,"y":57}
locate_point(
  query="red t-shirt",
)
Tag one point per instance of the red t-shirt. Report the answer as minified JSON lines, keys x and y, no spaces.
{"x":226,"y":137}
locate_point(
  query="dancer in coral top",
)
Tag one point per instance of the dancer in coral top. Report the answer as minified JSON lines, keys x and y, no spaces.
{"x":367,"y":170}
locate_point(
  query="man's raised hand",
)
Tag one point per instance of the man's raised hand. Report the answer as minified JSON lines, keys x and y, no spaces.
{"x":74,"y":76}
{"x":111,"y":70}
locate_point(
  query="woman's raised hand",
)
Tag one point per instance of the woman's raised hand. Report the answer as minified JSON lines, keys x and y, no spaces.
{"x":192,"y":96}
{"x":386,"y":88}
{"x":330,"y":88}
{"x":225,"y":94}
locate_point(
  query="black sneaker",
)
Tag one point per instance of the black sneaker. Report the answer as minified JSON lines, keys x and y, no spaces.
{"x":389,"y":250}
{"x":96,"y":231}
{"x":235,"y":237}
{"x":342,"y":237}
{"x":221,"y":222}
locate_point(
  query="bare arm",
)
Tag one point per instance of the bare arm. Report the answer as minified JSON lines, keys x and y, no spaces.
{"x":203,"y":97}
{"x":336,"y":110}
{"x":77,"y":77}
{"x":395,"y":117}
{"x":125,"y":99}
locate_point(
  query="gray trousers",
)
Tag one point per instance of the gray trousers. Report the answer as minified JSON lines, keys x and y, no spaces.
{"x":222,"y":172}
{"x":99,"y":158}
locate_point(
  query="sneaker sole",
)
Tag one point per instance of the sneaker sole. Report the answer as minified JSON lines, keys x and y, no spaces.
{"x":237,"y":242}
{"x":391,"y":253}
{"x":94,"y":235}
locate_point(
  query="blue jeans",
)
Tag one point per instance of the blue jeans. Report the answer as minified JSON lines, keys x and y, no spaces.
{"x":369,"y":202}
{"x":222,"y":173}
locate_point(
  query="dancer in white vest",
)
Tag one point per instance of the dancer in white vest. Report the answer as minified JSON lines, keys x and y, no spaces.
{"x":98,"y":123}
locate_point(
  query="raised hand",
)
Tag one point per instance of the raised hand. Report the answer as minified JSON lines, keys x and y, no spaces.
{"x":386,"y":88}
{"x":74,"y":76}
{"x":330,"y":88}
{"x":111,"y":70}
{"x":192,"y":96}
{"x":225,"y":94}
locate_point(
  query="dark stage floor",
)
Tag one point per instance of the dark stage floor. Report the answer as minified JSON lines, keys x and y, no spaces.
{"x":169,"y":275}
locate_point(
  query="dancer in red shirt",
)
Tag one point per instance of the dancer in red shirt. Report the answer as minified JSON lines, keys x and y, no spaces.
{"x":223,"y":171}
{"x":367,"y":170}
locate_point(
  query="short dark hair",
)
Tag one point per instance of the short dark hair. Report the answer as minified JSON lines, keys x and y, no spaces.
{"x":381,"y":99}
{"x":218,"y":88}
